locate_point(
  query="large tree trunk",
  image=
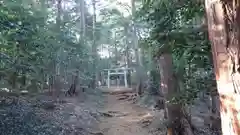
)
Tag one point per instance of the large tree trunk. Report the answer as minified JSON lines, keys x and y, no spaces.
{"x":177,"y":122}
{"x":163,"y":88}
{"x":223,"y":26}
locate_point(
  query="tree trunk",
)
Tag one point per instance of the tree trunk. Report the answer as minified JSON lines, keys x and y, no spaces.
{"x":94,"y":49}
{"x":115,"y":49}
{"x":129,"y":81}
{"x":58,"y":29}
{"x":23,"y":78}
{"x":13,"y":79}
{"x":135,"y":42}
{"x":140,"y":50}
{"x":83,"y":21}
{"x":127,"y":55}
{"x":163,"y":90}
{"x":223,"y":27}
{"x":81,"y":12}
{"x":178,"y":123}
{"x":214,"y":111}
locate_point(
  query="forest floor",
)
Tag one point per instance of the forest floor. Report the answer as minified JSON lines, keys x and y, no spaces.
{"x":93,"y":112}
{"x":123,"y":117}
{"x":89,"y":113}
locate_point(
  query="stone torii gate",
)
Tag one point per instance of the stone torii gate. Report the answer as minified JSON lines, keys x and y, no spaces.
{"x":117,"y":71}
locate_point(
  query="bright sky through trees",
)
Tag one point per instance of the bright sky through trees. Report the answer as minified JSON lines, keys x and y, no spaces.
{"x":122,"y":5}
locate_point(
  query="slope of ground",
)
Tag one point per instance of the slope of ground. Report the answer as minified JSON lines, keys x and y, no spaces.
{"x":45,"y":115}
{"x":199,"y":111}
{"x":89,"y":113}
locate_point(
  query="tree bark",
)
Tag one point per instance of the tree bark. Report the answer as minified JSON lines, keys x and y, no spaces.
{"x":115,"y":49}
{"x":58,"y":65}
{"x":81,"y":12}
{"x":139,"y":87}
{"x":177,"y":122}
{"x":94,"y":49}
{"x":83,"y":21}
{"x":127,"y":55}
{"x":163,"y":88}
{"x":223,"y":26}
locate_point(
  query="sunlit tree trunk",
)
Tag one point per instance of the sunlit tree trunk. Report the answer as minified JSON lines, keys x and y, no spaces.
{"x":223,"y":25}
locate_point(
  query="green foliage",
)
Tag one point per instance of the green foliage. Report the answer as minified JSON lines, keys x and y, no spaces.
{"x":173,"y":31}
{"x":32,"y":47}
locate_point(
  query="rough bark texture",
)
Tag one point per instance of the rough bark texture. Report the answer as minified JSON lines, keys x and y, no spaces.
{"x":223,"y":26}
{"x":178,"y":123}
{"x":163,"y":90}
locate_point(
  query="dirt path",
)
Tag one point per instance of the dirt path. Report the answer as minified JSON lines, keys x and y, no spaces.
{"x":105,"y":114}
{"x":121,"y":117}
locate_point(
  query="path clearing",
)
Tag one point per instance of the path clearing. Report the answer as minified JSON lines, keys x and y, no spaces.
{"x":121,"y":117}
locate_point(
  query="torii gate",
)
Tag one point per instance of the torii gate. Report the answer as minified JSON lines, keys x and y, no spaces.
{"x":117,"y":71}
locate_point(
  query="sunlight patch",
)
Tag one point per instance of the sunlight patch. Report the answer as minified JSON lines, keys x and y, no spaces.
{"x":5,"y":89}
